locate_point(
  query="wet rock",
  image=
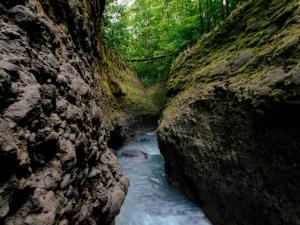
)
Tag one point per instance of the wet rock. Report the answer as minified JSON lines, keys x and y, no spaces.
{"x":52,"y":138}
{"x":4,"y":79}
{"x":69,"y":155}
{"x":222,"y":68}
{"x":283,"y":16}
{"x":243,"y":57}
{"x":296,"y":77}
{"x":287,"y":47}
{"x":84,"y":213}
{"x":134,"y":153}
{"x":48,"y":105}
{"x":108,"y":158}
{"x":291,"y":44}
{"x":36,"y":202}
{"x":2,"y":9}
{"x":64,"y":222}
{"x":80,"y":87}
{"x":44,"y":73}
{"x":5,"y":85}
{"x":66,"y":181}
{"x":69,"y":209}
{"x":38,"y":29}
{"x":61,"y":105}
{"x":116,"y":200}
{"x":24,"y":16}
{"x":49,"y":206}
{"x":10,"y":68}
{"x":49,"y":93}
{"x":94,"y":172}
{"x":52,"y":144}
{"x":73,"y":113}
{"x":96,"y":114}
{"x":11,"y":34}
{"x":56,"y":122}
{"x":29,"y":102}
{"x":124,"y":183}
{"x":253,"y":26}
{"x":4,"y":207}
{"x":48,"y":179}
{"x":275,"y":76}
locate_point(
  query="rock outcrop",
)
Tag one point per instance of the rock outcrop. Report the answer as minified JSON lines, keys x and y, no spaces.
{"x":132,"y":109}
{"x":57,"y":112}
{"x":230,"y":131}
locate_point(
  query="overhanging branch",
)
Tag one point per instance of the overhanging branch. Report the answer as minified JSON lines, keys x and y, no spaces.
{"x":152,"y":58}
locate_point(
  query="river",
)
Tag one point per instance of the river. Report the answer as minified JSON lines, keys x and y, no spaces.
{"x":150,"y":199}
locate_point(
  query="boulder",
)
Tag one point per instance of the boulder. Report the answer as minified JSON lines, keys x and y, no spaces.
{"x":117,"y":198}
{"x":133,"y":153}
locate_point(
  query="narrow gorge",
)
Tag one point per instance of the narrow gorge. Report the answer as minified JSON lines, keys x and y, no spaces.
{"x":227,"y":121}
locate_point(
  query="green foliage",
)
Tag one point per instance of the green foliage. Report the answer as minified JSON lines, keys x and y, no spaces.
{"x":157,"y":93}
{"x":150,"y":28}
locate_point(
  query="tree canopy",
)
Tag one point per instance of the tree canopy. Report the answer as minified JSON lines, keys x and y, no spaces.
{"x":149,"y":34}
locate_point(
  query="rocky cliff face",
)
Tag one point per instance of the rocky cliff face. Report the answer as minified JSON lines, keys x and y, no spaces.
{"x":57,"y":111}
{"x":230,"y":132}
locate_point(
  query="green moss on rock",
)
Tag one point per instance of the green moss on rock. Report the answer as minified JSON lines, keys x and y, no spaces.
{"x":230,"y":130}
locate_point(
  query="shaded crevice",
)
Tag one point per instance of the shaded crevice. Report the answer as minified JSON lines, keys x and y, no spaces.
{"x":8,"y":166}
{"x":123,"y":133}
{"x":11,"y":3}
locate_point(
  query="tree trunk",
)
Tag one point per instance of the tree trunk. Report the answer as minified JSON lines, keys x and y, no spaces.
{"x":211,"y":16}
{"x":152,"y":58}
{"x":222,"y":10}
{"x":201,"y":28}
{"x":227,"y":7}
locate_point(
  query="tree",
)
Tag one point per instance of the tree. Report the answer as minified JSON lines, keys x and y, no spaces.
{"x":143,"y":31}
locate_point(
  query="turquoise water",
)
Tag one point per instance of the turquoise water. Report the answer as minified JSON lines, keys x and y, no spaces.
{"x":151,"y":200}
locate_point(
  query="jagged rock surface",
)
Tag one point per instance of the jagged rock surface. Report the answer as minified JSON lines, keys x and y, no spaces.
{"x":230,"y":132}
{"x":55,"y":166}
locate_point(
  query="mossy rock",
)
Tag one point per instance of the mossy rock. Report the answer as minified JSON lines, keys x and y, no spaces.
{"x":230,"y":129}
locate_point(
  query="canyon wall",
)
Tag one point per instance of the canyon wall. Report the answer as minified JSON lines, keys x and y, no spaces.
{"x":62,"y":95}
{"x":230,"y":131}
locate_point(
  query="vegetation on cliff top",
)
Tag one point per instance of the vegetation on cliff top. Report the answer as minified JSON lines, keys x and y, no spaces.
{"x":256,"y":57}
{"x":149,"y":34}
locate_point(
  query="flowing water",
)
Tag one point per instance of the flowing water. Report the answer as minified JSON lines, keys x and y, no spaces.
{"x":150,"y":199}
